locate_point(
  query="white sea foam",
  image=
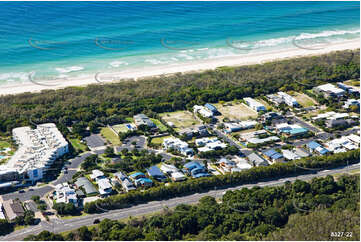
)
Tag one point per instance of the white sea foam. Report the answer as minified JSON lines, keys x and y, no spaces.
{"x":156,"y":61}
{"x":69,"y":69}
{"x":14,"y":76}
{"x":118,"y":63}
{"x":303,"y":36}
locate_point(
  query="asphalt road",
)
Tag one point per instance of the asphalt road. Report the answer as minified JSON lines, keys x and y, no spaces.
{"x":40,"y":191}
{"x":151,"y":207}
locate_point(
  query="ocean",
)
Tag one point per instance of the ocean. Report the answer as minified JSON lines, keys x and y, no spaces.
{"x":70,"y":39}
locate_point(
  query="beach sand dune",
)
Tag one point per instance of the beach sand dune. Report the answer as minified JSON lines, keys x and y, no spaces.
{"x":191,"y":66}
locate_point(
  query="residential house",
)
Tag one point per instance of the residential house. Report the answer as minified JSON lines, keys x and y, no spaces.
{"x":66,"y":194}
{"x":236,"y":126}
{"x":257,"y":160}
{"x":316,"y":147}
{"x":13,"y":209}
{"x":173,"y":172}
{"x":340,"y":145}
{"x":83,"y":182}
{"x":291,"y":129}
{"x":273,"y":156}
{"x":211,"y":108}
{"x":329,"y":90}
{"x":97,"y":175}
{"x":255,"y":105}
{"x":227,"y":166}
{"x":289,"y":100}
{"x":156,"y":173}
{"x":178,"y":145}
{"x":196,"y":130}
{"x":209,"y":144}
{"x":348,"y":88}
{"x":125,"y":181}
{"x":203,"y":111}
{"x":301,"y":152}
{"x":140,"y":179}
{"x":351,"y":103}
{"x":195,"y":169}
{"x":142,"y":119}
{"x":289,"y":155}
{"x":105,"y":188}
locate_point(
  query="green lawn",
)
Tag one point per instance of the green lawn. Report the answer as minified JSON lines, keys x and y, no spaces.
{"x":78,"y":146}
{"x":130,"y":119}
{"x":160,"y":126}
{"x":304,"y":100}
{"x":4,"y":144}
{"x":355,"y":83}
{"x":120,"y":128}
{"x":159,"y":140}
{"x":110,"y":136}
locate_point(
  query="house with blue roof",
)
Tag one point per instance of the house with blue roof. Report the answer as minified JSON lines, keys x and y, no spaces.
{"x":211,"y":108}
{"x":143,"y":182}
{"x":315,"y":147}
{"x":291,"y":129}
{"x":273,"y":156}
{"x":156,"y":173}
{"x":195,"y":169}
{"x":137,"y":175}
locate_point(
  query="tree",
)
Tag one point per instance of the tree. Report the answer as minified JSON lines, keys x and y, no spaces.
{"x":5,"y":227}
{"x":109,"y":152}
{"x":29,"y":217}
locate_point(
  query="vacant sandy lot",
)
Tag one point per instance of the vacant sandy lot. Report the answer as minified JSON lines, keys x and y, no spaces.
{"x":180,"y":119}
{"x":238,"y":111}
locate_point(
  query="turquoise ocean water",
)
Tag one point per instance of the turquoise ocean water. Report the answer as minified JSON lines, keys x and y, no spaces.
{"x":66,"y":39}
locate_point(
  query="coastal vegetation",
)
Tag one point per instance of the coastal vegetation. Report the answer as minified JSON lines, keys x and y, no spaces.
{"x":109,"y":104}
{"x":301,"y":210}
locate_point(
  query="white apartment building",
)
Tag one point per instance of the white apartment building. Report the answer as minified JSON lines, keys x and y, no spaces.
{"x":38,"y":149}
{"x":255,"y":105}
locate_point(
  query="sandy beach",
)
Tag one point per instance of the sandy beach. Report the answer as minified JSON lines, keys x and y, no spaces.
{"x":136,"y":74}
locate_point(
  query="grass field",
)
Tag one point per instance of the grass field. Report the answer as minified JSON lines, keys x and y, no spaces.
{"x":355,"y":83}
{"x":304,"y":100}
{"x":236,"y":111}
{"x":159,"y":124}
{"x":180,"y":119}
{"x":4,"y":144}
{"x":110,"y":136}
{"x":120,"y":128}
{"x":159,"y":140}
{"x":78,"y":146}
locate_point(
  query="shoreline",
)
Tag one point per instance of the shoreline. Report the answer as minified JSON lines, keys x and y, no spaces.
{"x":187,"y":67}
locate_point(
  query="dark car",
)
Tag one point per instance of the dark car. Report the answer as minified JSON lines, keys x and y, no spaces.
{"x":96,"y":221}
{"x":21,"y":191}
